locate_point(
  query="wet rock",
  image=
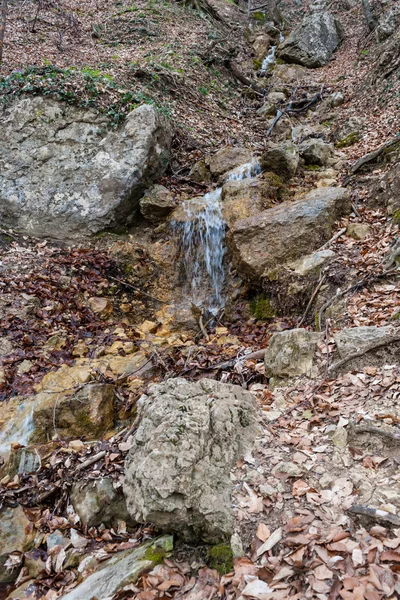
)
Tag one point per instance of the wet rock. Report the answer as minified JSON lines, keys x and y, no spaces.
{"x":313,"y":43}
{"x":177,"y":473}
{"x":13,"y":537}
{"x":200,"y":172}
{"x":316,"y":152}
{"x":101,"y":306}
{"x":264,"y":243}
{"x":282,"y":159}
{"x":87,"y":413}
{"x":97,"y":177}
{"x":122,"y":569}
{"x":358,"y":231}
{"x":227,"y":159}
{"x":292,"y":353}
{"x":157,"y":203}
{"x":261,"y":45}
{"x":378,"y":345}
{"x":99,"y":502}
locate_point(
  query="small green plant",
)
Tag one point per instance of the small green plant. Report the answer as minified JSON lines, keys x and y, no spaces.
{"x":220,"y":558}
{"x":396,"y":217}
{"x":203,"y":90}
{"x":261,"y":308}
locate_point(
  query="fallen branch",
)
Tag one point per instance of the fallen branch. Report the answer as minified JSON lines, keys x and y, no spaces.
{"x":360,"y":429}
{"x":91,"y":460}
{"x":242,"y":78}
{"x":238,"y":359}
{"x":380,"y":344}
{"x":373,"y":155}
{"x":321,"y":281}
{"x":333,"y":239}
{"x":374,"y":513}
{"x":138,"y":290}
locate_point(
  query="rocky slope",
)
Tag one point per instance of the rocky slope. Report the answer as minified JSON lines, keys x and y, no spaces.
{"x":263,"y":435}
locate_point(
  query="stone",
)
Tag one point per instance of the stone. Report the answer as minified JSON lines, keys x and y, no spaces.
{"x":358,"y":231}
{"x":261,"y":45}
{"x":80,"y":349}
{"x":267,"y":490}
{"x":276,"y":97}
{"x":313,"y":43}
{"x":289,"y":468}
{"x":78,"y":541}
{"x":388,"y":24}
{"x":6,"y":346}
{"x":286,"y":232}
{"x":87,"y":413}
{"x":227,"y":159}
{"x":190,"y":435}
{"x":281,"y":159}
{"x":300,"y":133}
{"x":349,"y":132}
{"x":289,"y":73}
{"x":200,"y":172}
{"x":157,"y":203}
{"x":24,"y":367}
{"x":101,"y":306}
{"x":237,"y":546}
{"x":97,"y":174}
{"x":336,"y":99}
{"x":149,"y":327}
{"x":339,"y":437}
{"x":315,"y":151}
{"x":310,"y":263}
{"x":292,"y":353}
{"x":386,"y":192}
{"x":13,"y":538}
{"x":97,"y":502}
{"x":77,"y":445}
{"x":56,"y":538}
{"x":121,"y":570}
{"x":378,"y":345}
{"x":248,"y":197}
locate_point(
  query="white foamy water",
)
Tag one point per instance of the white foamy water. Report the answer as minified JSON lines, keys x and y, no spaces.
{"x":270,"y":59}
{"x":202,"y":243}
{"x":19,"y":430}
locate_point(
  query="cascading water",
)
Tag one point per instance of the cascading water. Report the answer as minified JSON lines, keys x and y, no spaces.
{"x":270,"y":59}
{"x":202,"y":244}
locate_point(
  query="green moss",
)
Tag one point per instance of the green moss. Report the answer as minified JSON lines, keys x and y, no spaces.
{"x":257,"y":64}
{"x":280,"y":61}
{"x":221,"y":558}
{"x":155,"y":554}
{"x":312,"y":168}
{"x":396,"y":217}
{"x":396,"y":316}
{"x":351,"y":139}
{"x":259,"y":16}
{"x":261,"y":308}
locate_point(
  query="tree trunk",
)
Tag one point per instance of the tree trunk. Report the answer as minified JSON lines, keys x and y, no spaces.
{"x":3,"y":18}
{"x":371,"y":21}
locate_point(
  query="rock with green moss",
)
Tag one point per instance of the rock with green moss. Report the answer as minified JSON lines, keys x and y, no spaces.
{"x":262,"y":308}
{"x":349,"y":132}
{"x":316,"y":152}
{"x":282,"y":159}
{"x":177,"y":474}
{"x":220,"y":558}
{"x":261,"y":45}
{"x":122,"y":569}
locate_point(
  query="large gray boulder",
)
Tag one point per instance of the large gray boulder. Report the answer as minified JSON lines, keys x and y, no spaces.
{"x":64,"y":172}
{"x":286,"y":232}
{"x":313,"y":42}
{"x":178,"y":470}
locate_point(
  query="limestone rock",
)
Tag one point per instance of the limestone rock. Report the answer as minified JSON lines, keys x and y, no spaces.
{"x":312,"y":262}
{"x":282,"y":160}
{"x":12,"y":538}
{"x":122,"y":569}
{"x":286,"y":232}
{"x":388,"y":24}
{"x":387,"y":191}
{"x":177,"y":472}
{"x":261,"y":45}
{"x":349,"y":132}
{"x":101,"y":306}
{"x":292,"y":353}
{"x":157,"y":203}
{"x":316,"y":152}
{"x":313,"y":42}
{"x":358,"y":231}
{"x":200,"y":172}
{"x":87,"y":413}
{"x":378,"y":345}
{"x":99,"y":502}
{"x":6,"y":346}
{"x":227,"y":159}
{"x":77,"y":177}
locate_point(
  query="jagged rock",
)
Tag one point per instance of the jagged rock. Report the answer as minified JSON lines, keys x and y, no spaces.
{"x":6,"y":346}
{"x":101,"y":306}
{"x":87,"y":413}
{"x":13,"y":537}
{"x":227,"y":159}
{"x":388,"y":24}
{"x":97,"y":502}
{"x":157,"y":203}
{"x":77,"y":177}
{"x":276,"y":97}
{"x":377,"y":344}
{"x":248,"y":197}
{"x":314,"y":41}
{"x":310,"y":263}
{"x":358,"y":231}
{"x":315,"y":151}
{"x":300,"y":133}
{"x":122,"y":569}
{"x":177,"y":472}
{"x":386,"y":192}
{"x":292,"y":353}
{"x":282,"y":160}
{"x":262,"y":244}
{"x":349,"y":132}
{"x":261,"y":46}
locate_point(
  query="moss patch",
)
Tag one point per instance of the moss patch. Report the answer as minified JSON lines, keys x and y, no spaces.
{"x":220,"y":558}
{"x":396,"y":217}
{"x":351,"y":139}
{"x":261,"y":308}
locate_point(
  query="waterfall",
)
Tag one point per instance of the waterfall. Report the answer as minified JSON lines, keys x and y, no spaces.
{"x":202,"y":243}
{"x":19,"y":429}
{"x":270,"y":59}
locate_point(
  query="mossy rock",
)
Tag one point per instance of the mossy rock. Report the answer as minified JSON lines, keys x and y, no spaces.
{"x":351,"y":139}
{"x":257,"y":64}
{"x":261,"y":308}
{"x":220,"y":558}
{"x":396,"y":217}
{"x":259,"y":16}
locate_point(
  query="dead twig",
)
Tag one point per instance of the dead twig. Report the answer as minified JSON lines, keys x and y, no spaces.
{"x":91,"y":460}
{"x":374,"y":513}
{"x":373,"y":155}
{"x":315,"y":292}
{"x":380,"y":344}
{"x":138,"y":290}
